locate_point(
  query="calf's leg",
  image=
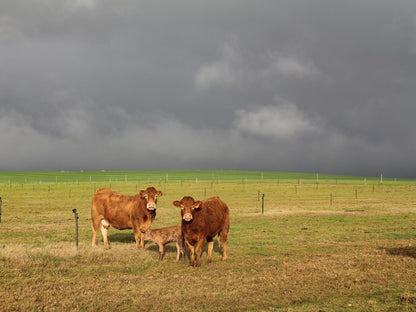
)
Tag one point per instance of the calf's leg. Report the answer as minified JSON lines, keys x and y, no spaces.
{"x":161,"y":252}
{"x":180,"y":249}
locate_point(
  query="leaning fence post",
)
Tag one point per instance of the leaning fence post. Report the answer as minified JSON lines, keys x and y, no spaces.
{"x":76,"y":226}
{"x":0,"y":209}
{"x":262,"y":203}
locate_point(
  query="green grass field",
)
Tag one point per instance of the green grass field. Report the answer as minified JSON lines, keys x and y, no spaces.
{"x":322,"y":243}
{"x":190,"y":175}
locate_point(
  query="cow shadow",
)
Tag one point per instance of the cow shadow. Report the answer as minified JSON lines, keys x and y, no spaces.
{"x":402,"y":251}
{"x":171,"y":247}
{"x":154,"y":247}
{"x":126,"y":238}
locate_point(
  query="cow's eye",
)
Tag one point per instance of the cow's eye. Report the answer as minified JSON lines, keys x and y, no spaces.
{"x":182,"y":207}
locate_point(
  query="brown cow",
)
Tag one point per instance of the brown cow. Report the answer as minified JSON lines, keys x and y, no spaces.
{"x":166,"y":235}
{"x":202,"y":220}
{"x":136,"y":212}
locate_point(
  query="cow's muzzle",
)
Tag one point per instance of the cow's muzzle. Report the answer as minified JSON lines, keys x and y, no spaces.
{"x":151,"y":206}
{"x":187,"y":217}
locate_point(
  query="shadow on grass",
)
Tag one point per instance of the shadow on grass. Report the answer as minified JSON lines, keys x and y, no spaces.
{"x":168,"y":248}
{"x":126,"y":237}
{"x":402,"y":251}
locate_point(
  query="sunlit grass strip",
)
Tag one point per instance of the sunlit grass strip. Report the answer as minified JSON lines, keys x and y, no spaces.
{"x":187,"y":175}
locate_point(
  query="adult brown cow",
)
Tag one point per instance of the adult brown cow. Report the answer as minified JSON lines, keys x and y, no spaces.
{"x":109,"y":208}
{"x":202,"y":220}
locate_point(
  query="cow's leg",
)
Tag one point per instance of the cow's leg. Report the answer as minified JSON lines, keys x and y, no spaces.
{"x":104,"y":230}
{"x":224,"y":245}
{"x":94,"y":237}
{"x":210,"y":247}
{"x":191,"y":254}
{"x":223,"y":239}
{"x":198,"y":251}
{"x":95,"y":225}
{"x":141,"y":240}
{"x":137,"y":236}
{"x":224,"y":251}
{"x":178,"y":251}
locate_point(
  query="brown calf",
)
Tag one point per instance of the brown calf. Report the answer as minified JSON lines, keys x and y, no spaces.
{"x":202,"y":220}
{"x":167,"y":235}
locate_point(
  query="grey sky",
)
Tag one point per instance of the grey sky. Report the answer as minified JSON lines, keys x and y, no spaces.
{"x":298,"y":85}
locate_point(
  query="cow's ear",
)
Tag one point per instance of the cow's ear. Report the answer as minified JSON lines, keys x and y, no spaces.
{"x":197,"y":204}
{"x":159,"y":193}
{"x":142,"y":193}
{"x":177,"y":203}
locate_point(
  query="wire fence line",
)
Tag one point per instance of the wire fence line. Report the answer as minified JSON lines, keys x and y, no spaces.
{"x":216,"y":176}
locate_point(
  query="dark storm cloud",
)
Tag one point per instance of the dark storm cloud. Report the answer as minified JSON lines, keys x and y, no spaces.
{"x":312,"y":86}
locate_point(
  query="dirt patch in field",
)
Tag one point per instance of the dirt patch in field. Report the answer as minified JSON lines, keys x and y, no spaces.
{"x":385,"y":211}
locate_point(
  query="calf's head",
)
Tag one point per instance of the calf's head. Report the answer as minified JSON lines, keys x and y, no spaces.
{"x":187,"y":205}
{"x":150,"y":196}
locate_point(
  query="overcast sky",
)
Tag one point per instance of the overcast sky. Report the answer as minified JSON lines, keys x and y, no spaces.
{"x":295,"y":85}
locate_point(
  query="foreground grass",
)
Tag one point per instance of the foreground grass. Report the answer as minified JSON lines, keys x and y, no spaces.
{"x":305,"y":253}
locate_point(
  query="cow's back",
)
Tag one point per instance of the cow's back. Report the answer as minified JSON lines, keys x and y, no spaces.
{"x":115,"y":208}
{"x":212,"y":217}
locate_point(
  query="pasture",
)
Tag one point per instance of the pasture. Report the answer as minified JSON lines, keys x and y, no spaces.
{"x":323,"y":243}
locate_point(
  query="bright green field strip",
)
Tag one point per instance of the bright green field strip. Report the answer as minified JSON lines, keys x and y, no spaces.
{"x":184,"y":175}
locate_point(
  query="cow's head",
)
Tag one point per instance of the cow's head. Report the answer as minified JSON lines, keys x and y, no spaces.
{"x":187,"y":205}
{"x":150,"y":196}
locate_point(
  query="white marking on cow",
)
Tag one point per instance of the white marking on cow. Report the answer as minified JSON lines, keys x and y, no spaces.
{"x":151,"y":206}
{"x":105,"y":223}
{"x":187,"y":217}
